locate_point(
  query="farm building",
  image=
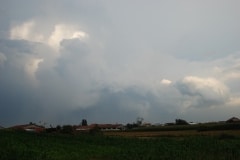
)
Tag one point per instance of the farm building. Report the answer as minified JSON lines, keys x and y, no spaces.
{"x":110,"y":127}
{"x":29,"y":127}
{"x":86,"y":128}
{"x":146,"y":124}
{"x":102,"y":127}
{"x":233,"y":120}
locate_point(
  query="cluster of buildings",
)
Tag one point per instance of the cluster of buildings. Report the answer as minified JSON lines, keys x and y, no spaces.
{"x":32,"y":127}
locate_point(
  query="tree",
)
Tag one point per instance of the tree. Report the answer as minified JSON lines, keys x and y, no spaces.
{"x":131,"y":126}
{"x":58,"y":127}
{"x":84,"y":122}
{"x":139,"y":121}
{"x":67,"y":129}
{"x":181,"y":122}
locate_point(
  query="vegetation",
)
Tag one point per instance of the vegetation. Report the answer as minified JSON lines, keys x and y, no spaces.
{"x":197,"y":127}
{"x":57,"y":146}
{"x":84,"y":122}
{"x":181,"y":122}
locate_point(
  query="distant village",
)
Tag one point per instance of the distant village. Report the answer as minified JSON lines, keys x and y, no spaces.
{"x":88,"y":128}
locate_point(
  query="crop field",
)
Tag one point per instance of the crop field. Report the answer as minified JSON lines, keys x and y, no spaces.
{"x":183,"y":133}
{"x":215,"y":129}
{"x":50,"y":146}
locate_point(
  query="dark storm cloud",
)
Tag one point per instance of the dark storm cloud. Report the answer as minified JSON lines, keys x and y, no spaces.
{"x":125,"y":106}
{"x":15,"y":88}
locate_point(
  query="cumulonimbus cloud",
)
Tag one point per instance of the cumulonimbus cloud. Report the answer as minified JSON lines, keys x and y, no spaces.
{"x":93,"y":57}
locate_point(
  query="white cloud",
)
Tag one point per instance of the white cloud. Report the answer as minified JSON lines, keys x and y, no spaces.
{"x":205,"y":84}
{"x":62,"y":31}
{"x":30,"y":31}
{"x":79,"y":35}
{"x":166,"y":81}
{"x":22,"y":31}
{"x":26,"y":31}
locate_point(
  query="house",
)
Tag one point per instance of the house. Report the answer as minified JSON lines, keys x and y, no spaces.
{"x":86,"y":128}
{"x":110,"y":127}
{"x":31,"y":127}
{"x":169,"y":124}
{"x":146,"y":124}
{"x":102,"y":127}
{"x":233,"y":120}
{"x":192,"y":123}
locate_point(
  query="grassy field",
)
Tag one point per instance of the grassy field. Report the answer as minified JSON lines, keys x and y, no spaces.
{"x":44,"y":146}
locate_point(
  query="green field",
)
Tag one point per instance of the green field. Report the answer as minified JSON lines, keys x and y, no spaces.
{"x":45,"y":146}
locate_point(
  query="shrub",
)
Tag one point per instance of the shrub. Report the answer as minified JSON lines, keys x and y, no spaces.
{"x":68,"y":129}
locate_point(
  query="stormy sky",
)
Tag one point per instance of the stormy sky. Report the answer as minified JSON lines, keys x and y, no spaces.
{"x":113,"y":61}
